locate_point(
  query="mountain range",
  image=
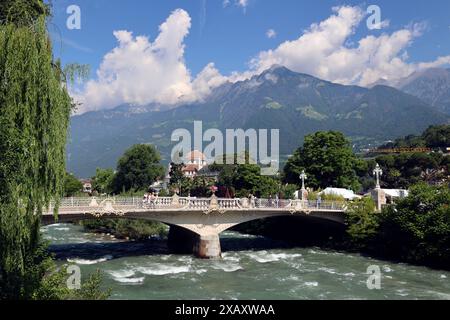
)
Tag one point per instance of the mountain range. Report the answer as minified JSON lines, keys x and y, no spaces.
{"x":431,"y":85}
{"x":278,"y":98}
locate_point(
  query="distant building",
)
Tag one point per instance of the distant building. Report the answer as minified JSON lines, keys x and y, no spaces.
{"x":194,"y":162}
{"x":196,"y":158}
{"x":87,"y":185}
{"x":190,"y":170}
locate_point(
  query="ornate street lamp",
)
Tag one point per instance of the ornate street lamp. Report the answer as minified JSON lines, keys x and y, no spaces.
{"x":378,"y":172}
{"x":303,"y":177}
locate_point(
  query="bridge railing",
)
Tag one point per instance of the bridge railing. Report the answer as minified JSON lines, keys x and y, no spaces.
{"x":319,"y":205}
{"x":190,"y":203}
{"x":230,"y":203}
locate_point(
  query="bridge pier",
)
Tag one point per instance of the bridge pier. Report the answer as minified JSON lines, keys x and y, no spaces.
{"x":208,"y":247}
{"x":183,"y":241}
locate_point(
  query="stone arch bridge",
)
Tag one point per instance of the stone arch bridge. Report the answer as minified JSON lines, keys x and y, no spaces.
{"x":205,"y":217}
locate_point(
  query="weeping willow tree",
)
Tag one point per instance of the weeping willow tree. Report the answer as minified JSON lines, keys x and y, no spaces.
{"x":34,"y":117}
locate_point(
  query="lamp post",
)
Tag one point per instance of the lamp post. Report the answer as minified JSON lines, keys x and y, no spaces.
{"x":378,"y":172}
{"x":303,"y":177}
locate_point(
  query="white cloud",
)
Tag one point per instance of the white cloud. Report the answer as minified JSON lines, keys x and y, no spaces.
{"x":323,"y":50}
{"x":271,"y":33}
{"x":240,"y":3}
{"x":205,"y":81}
{"x":139,"y":71}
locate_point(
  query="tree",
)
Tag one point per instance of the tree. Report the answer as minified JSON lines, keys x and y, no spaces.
{"x":34,"y":116}
{"x":22,"y":12}
{"x":404,"y":170}
{"x":328,"y":160}
{"x":417,"y":228}
{"x":201,"y":186}
{"x":243,"y":179}
{"x":176,"y":173}
{"x":54,"y":287}
{"x":362,"y":222}
{"x":437,"y":136}
{"x":138,"y":168}
{"x":103,"y":180}
{"x":72,"y":185}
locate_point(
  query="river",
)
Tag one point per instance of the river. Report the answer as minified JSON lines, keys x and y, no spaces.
{"x":251,"y":268}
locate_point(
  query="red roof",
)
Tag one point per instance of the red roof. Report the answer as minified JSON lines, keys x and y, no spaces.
{"x":190,"y":168}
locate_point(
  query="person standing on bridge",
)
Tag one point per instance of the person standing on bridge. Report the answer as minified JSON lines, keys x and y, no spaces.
{"x":270,"y":201}
{"x":319,"y":201}
{"x":152,"y":200}
{"x":252,"y":201}
{"x":145,"y":199}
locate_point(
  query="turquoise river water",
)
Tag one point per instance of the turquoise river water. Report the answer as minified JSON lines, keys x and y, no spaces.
{"x":251,"y":268}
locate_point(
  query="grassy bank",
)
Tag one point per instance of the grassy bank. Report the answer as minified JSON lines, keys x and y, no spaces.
{"x":126,"y":228}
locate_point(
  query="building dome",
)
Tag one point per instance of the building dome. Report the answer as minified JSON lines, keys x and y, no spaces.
{"x":195,"y":155}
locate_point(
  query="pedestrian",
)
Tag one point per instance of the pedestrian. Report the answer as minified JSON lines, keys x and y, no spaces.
{"x":151,"y":200}
{"x":319,"y":201}
{"x":252,"y":200}
{"x":145,"y":199}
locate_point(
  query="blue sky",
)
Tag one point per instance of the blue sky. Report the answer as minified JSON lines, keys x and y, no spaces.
{"x":232,"y":33}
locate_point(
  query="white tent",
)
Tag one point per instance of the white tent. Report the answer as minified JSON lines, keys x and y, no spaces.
{"x":345,"y":193}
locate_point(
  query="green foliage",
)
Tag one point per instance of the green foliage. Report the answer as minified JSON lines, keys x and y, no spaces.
{"x":201,"y":187}
{"x":435,"y":137}
{"x":417,"y":228}
{"x":328,"y":161}
{"x":245,"y":179}
{"x":178,"y":181}
{"x":314,"y":195}
{"x":103,"y":181}
{"x":126,"y":228}
{"x":22,"y":12}
{"x":76,"y":72}
{"x":54,"y":287}
{"x":288,"y":191}
{"x":362,"y":221}
{"x":34,"y":117}
{"x":72,"y":185}
{"x":404,"y":170}
{"x":138,"y":168}
{"x":176,"y":173}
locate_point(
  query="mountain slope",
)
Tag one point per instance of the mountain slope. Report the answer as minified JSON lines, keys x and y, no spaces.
{"x":432,"y":86}
{"x":295,"y":103}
